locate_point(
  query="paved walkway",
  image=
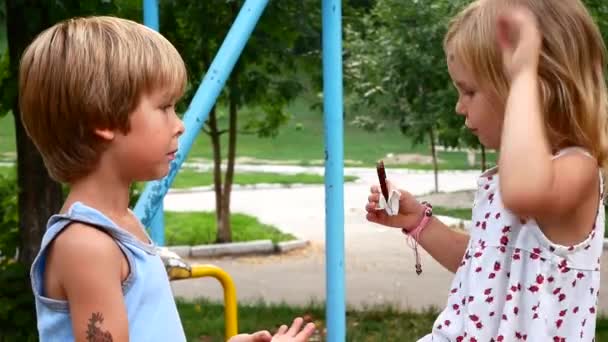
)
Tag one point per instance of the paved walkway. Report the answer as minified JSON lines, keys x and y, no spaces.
{"x":379,"y":266}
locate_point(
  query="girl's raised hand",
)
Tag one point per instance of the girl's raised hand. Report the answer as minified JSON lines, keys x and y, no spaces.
{"x":520,"y":41}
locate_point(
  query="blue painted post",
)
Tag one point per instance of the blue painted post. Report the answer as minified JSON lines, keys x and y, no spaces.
{"x":151,"y":14}
{"x":157,"y":224}
{"x":334,"y":170}
{"x":201,"y":104}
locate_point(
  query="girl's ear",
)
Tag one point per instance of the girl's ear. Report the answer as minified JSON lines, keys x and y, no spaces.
{"x":105,"y":134}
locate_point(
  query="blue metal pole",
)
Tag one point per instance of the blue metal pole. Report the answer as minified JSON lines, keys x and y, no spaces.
{"x":151,"y":14}
{"x":157,"y":224}
{"x":203,"y":101}
{"x":334,"y":170}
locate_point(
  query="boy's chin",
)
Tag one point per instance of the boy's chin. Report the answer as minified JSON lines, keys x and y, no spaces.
{"x":158,"y":175}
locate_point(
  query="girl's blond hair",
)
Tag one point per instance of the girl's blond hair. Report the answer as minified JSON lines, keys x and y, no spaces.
{"x":571,"y":68}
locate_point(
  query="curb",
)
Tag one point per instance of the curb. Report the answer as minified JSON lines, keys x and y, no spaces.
{"x":287,"y":246}
{"x":237,"y":248}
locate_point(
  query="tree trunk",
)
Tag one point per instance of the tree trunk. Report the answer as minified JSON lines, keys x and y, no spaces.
{"x":483,"y":158}
{"x":215,"y":135}
{"x":39,"y":196}
{"x":224,"y":233}
{"x":434,"y":156}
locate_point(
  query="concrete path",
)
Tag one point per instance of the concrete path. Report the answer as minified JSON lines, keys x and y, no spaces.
{"x":379,"y":265}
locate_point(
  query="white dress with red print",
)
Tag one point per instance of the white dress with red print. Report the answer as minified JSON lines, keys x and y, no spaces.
{"x":514,"y":284}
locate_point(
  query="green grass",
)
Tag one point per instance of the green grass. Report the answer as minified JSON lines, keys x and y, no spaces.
{"x":198,"y":228}
{"x":188,"y":178}
{"x":7,"y":137}
{"x":301,"y":141}
{"x":7,"y":171}
{"x":203,"y":321}
{"x":455,"y":161}
{"x":461,"y":213}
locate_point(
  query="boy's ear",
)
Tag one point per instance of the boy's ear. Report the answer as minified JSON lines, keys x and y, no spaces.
{"x":105,"y":134}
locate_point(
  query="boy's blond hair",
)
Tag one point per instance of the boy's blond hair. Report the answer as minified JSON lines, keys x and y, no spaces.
{"x":84,"y":74}
{"x":571,"y":69}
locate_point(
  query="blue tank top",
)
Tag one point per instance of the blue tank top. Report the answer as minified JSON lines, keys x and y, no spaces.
{"x":149,"y":301}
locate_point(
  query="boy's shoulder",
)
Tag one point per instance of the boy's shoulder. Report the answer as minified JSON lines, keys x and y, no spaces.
{"x":79,"y":246}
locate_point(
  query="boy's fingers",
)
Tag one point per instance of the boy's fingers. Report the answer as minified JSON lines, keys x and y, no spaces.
{"x":262,"y":336}
{"x":282,"y":330}
{"x":295,"y":326}
{"x":307,"y":332}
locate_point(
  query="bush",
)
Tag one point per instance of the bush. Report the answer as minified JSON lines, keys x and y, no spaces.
{"x":17,"y":310}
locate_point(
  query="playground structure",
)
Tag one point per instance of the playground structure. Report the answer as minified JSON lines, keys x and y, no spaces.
{"x":178,"y":269}
{"x":149,"y":208}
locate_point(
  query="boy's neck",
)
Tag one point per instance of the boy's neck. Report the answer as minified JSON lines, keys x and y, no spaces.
{"x":104,"y":192}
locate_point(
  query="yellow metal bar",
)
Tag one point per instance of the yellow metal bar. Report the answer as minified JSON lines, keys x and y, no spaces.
{"x":230,"y":308}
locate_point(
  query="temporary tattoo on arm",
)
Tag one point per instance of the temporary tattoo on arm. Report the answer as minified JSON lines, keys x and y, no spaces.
{"x":94,"y":332}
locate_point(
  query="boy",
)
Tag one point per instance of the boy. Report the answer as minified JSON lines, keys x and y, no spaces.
{"x":97,"y":98}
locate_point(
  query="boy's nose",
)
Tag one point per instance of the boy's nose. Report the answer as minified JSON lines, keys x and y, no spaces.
{"x":180,"y":127}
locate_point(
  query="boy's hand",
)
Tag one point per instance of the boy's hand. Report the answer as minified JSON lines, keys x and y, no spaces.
{"x":293,"y":333}
{"x":260,"y":336}
{"x":284,"y":334}
{"x":410,"y":210}
{"x":520,"y":41}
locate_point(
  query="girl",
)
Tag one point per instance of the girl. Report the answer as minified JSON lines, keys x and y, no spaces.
{"x":530,"y":80}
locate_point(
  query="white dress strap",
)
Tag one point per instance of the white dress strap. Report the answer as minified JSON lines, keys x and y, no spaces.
{"x":567,"y":150}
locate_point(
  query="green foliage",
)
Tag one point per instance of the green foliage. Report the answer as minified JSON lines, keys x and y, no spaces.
{"x":267,"y":67}
{"x":17,"y":319}
{"x":396,"y":65}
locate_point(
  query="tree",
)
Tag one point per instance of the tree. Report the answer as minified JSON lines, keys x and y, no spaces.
{"x":397,"y":67}
{"x":264,"y":80}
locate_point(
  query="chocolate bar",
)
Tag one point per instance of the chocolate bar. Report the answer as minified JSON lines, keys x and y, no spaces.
{"x":382,"y":178}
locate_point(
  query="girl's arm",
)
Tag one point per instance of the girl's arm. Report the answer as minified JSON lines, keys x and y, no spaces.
{"x":532,"y":184}
{"x":444,"y":244}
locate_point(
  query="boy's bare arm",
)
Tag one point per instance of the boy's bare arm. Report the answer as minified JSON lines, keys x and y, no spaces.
{"x":88,"y":263}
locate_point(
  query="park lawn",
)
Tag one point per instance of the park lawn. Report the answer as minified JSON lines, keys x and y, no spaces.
{"x":199,"y":228}
{"x":204,"y":321}
{"x":6,"y":171}
{"x":461,"y":213}
{"x":188,"y":178}
{"x":300,"y":142}
{"x":8,"y":145}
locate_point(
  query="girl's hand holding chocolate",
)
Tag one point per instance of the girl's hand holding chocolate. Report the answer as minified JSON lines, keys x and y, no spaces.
{"x":410,"y":210}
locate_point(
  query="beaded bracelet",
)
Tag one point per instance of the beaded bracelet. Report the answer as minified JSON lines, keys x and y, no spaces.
{"x":415,"y":233}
